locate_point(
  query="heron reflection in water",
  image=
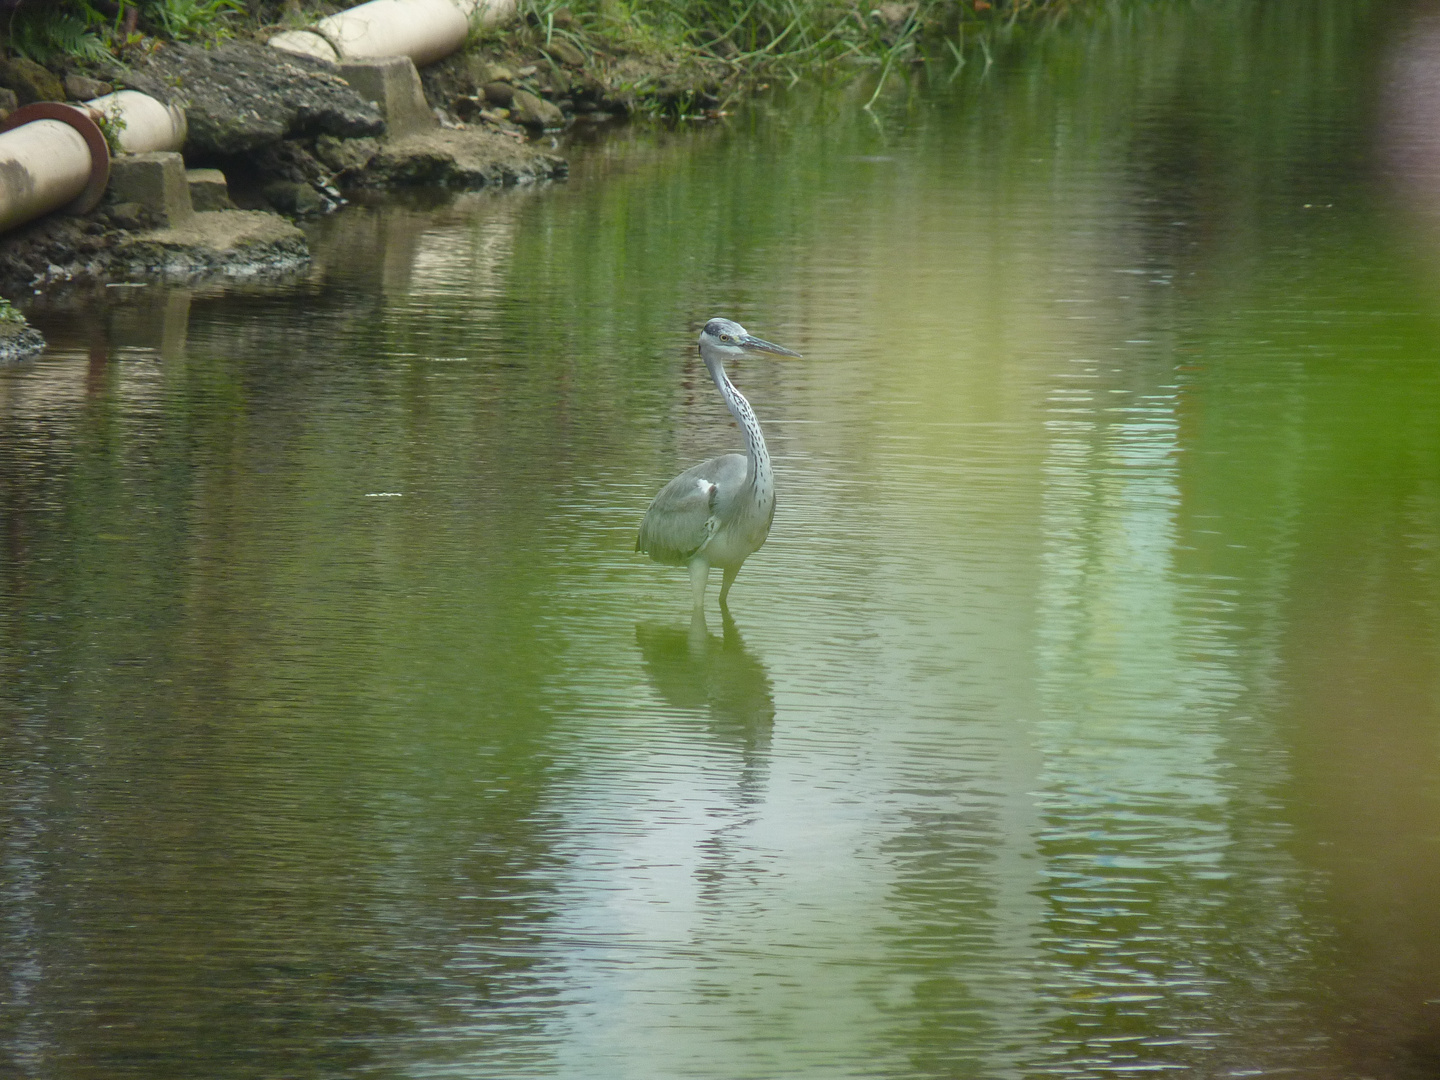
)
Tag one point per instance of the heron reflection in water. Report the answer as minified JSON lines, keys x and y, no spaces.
{"x":691,"y":669}
{"x":717,"y":513}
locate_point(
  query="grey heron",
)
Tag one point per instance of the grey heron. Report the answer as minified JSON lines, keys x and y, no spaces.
{"x":717,"y":513}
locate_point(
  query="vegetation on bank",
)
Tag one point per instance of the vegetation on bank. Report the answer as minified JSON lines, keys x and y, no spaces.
{"x":47,"y":31}
{"x":790,"y":36}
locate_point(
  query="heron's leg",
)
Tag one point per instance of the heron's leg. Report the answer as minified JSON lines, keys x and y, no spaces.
{"x":727,"y":581}
{"x":729,"y":632}
{"x":699,"y":637}
{"x":699,"y":576}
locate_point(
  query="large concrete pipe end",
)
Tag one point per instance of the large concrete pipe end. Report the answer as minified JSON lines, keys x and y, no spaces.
{"x":423,"y":30}
{"x":139,"y":124}
{"x":52,"y":157}
{"x":305,"y":43}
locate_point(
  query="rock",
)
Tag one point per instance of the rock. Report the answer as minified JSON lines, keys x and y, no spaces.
{"x":30,"y":81}
{"x":8,"y":102}
{"x":241,"y":95}
{"x":82,"y":88}
{"x":290,"y":197}
{"x":53,"y":248}
{"x":18,"y":339}
{"x":588,"y":90}
{"x":535,"y":112}
{"x":208,"y":189}
{"x":486,"y":71}
{"x":470,"y":158}
{"x":293,"y":162}
{"x":499,"y":93}
{"x":128,"y":215}
{"x":345,"y":155}
{"x":565,"y":53}
{"x":468,"y":108}
{"x":289,"y":160}
{"x":218,"y":243}
{"x":59,"y":248}
{"x":557,"y":84}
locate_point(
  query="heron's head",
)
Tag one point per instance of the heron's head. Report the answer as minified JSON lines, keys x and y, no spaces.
{"x":728,"y":339}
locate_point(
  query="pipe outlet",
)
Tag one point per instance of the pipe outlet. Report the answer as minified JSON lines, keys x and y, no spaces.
{"x":305,"y":43}
{"x":52,"y":157}
{"x":423,"y":30}
{"x":141,"y":124}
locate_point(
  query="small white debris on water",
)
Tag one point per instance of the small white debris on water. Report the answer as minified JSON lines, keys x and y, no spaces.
{"x":384,"y":494}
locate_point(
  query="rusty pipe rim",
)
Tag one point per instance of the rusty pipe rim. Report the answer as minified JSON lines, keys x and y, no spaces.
{"x":89,"y":130}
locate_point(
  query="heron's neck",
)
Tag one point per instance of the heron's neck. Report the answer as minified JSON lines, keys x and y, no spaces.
{"x":759,"y":470}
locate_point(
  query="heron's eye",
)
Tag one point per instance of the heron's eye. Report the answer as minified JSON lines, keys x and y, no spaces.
{"x":725,"y":337}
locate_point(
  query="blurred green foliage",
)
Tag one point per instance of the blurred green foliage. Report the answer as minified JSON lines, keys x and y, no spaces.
{"x":795,"y":34}
{"x":91,"y":30}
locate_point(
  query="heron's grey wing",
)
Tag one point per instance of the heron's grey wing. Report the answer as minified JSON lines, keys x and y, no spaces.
{"x":683,"y":516}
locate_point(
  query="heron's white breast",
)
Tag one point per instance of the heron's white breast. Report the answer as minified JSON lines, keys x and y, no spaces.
{"x":744,"y":531}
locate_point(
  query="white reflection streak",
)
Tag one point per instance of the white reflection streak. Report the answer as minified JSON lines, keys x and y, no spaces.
{"x":22,"y":889}
{"x":479,"y":259}
{"x":700,"y":932}
{"x":1130,"y":705}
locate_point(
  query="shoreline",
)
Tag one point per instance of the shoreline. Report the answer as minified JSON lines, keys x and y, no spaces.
{"x":490,"y":114}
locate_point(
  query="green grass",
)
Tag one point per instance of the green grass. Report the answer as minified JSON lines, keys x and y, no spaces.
{"x":796,"y":31}
{"x":796,"y":38}
{"x":788,"y":37}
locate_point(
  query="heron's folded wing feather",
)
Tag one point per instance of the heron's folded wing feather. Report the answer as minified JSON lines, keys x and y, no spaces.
{"x":682,"y":517}
{"x":677,"y":522}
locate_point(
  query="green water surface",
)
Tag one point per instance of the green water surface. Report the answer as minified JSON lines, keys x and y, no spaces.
{"x":1079,"y":718}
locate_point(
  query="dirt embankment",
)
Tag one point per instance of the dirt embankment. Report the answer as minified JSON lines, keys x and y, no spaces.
{"x":292,"y":137}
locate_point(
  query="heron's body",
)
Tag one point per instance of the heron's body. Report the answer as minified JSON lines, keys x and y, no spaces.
{"x":717,"y":513}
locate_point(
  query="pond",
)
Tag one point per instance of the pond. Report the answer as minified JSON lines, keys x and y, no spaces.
{"x":1080,"y":717}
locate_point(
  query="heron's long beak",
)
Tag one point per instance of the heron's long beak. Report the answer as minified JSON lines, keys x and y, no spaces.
{"x":755,"y":344}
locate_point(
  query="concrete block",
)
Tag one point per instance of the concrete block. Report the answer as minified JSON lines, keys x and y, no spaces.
{"x":156,"y":181}
{"x":393,"y":84}
{"x":208,"y":190}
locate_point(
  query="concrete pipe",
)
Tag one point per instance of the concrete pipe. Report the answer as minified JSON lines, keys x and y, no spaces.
{"x":52,"y":157}
{"x":305,"y":43}
{"x":141,"y":123}
{"x":423,"y":30}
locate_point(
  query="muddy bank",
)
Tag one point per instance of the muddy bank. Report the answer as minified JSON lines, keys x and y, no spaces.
{"x":123,"y":243}
{"x":292,"y":137}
